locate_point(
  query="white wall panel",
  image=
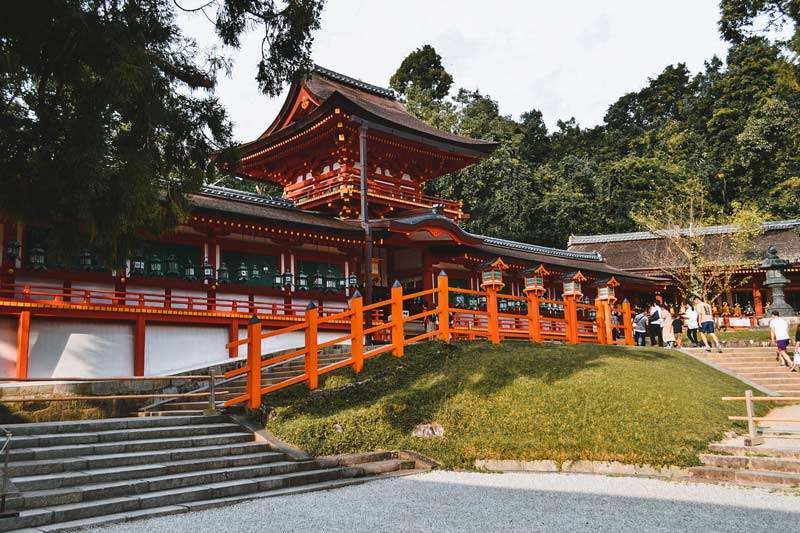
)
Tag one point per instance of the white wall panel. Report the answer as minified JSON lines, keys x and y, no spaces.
{"x":66,"y":348}
{"x":171,"y":348}
{"x":8,"y":347}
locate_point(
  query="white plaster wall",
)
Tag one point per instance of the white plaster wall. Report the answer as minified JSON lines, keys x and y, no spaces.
{"x":66,"y":348}
{"x":154,"y":296}
{"x":8,"y":347}
{"x":171,"y":348}
{"x":287,"y":341}
{"x":180,"y":299}
{"x":40,"y":285}
{"x":105,"y":298}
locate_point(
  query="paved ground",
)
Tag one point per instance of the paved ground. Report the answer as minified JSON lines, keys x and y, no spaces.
{"x":449,"y":501}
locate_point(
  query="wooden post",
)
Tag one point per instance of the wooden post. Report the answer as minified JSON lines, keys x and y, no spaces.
{"x":138,"y":346}
{"x":753,"y":438}
{"x":23,"y":343}
{"x":493,"y":324}
{"x":357,"y":331}
{"x":600,"y":322}
{"x":312,"y":315}
{"x":571,"y":316}
{"x":398,"y":330}
{"x":254,"y":363}
{"x":233,"y":336}
{"x":444,"y":307}
{"x":627,"y":318}
{"x":534,"y":327}
{"x":607,"y":316}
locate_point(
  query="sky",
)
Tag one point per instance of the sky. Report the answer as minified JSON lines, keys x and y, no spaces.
{"x":567,"y":59}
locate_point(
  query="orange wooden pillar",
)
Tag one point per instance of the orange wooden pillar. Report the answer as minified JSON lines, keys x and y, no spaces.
{"x":312,"y":316}
{"x":627,"y":322}
{"x":534,"y":326}
{"x":138,"y":346}
{"x":571,"y":316}
{"x":398,"y":329}
{"x":357,"y":331}
{"x":23,"y":343}
{"x":444,"y":307}
{"x":600,"y":321}
{"x":607,"y":319}
{"x":233,"y":336}
{"x":493,"y":319}
{"x":254,"y":362}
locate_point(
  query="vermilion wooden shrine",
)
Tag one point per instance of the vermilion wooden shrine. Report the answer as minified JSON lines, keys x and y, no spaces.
{"x":185,"y":294}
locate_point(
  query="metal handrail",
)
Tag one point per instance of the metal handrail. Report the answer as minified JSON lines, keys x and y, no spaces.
{"x":6,"y":481}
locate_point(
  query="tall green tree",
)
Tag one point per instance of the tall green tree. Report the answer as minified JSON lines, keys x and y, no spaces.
{"x":423,"y":70}
{"x":108,"y":114}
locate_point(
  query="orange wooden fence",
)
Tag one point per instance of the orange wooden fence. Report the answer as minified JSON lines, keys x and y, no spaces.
{"x":569,"y":322}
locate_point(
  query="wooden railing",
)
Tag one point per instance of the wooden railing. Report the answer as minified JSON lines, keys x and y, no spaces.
{"x":444,"y":322}
{"x":154,"y":300}
{"x":753,"y":438}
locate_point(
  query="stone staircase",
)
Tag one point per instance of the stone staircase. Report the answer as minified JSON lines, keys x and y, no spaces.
{"x":774,"y":464}
{"x":86,"y":473}
{"x":756,"y":365}
{"x":230,"y":388}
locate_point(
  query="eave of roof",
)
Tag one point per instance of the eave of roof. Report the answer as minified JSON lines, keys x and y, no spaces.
{"x":647,"y":235}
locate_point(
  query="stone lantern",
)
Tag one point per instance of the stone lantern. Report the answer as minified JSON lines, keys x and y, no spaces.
{"x":775,"y":281}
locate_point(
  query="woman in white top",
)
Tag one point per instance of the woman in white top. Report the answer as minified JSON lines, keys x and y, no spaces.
{"x":690,"y":314}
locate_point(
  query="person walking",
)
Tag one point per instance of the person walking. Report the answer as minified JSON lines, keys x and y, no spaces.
{"x":655,"y":325}
{"x":779,"y":333}
{"x":667,"y":332}
{"x":692,"y":325}
{"x":677,"y":329}
{"x":797,"y":346}
{"x":640,"y":324}
{"x":705,"y":317}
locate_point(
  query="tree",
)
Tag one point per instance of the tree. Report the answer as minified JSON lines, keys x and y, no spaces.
{"x":108,"y":114}
{"x":422,"y":69}
{"x":699,"y":264}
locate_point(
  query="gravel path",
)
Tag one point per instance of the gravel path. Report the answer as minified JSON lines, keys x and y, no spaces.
{"x":455,"y":501}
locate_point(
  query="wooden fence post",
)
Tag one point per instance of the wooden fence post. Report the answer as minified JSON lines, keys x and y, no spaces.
{"x":357,"y":331}
{"x":254,"y":362}
{"x":23,"y":343}
{"x":571,"y":316}
{"x":600,"y":322}
{"x":444,"y":307}
{"x":534,"y":327}
{"x":493,"y":323}
{"x":398,"y":329}
{"x":627,"y":322}
{"x":607,"y":315}
{"x":753,"y":438}
{"x":312,"y":315}
{"x":233,"y":336}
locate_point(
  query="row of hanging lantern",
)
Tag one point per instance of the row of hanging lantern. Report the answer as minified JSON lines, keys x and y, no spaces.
{"x":36,"y":255}
{"x":171,"y":268}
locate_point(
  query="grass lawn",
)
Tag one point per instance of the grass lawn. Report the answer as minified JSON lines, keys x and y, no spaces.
{"x":516,"y":401}
{"x":757,"y":335}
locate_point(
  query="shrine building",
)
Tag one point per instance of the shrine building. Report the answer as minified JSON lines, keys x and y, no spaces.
{"x":185,"y":294}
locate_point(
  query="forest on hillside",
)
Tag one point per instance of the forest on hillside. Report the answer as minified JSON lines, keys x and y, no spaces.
{"x":733,"y":130}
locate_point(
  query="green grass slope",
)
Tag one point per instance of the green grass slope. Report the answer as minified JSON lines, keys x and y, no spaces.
{"x":516,"y":401}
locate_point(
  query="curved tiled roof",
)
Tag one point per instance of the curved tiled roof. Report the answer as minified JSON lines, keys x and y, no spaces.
{"x":543,"y":250}
{"x":324,"y":83}
{"x":647,"y":235}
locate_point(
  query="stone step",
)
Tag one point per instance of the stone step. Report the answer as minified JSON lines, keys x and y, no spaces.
{"x":93,"y":522}
{"x":88,"y":462}
{"x":746,"y":477}
{"x":773,"y":464}
{"x":140,"y":445}
{"x":88,"y":476}
{"x":97,"y":437}
{"x":754,"y":451}
{"x":106,"y":424}
{"x":158,"y":483}
{"x":86,"y":509}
